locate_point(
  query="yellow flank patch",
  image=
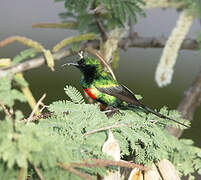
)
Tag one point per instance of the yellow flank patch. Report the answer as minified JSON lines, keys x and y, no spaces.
{"x":93,"y":90}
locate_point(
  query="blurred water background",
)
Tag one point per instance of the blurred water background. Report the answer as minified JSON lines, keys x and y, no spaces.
{"x":136,"y":67}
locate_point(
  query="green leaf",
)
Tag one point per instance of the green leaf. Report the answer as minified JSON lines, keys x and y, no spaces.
{"x":74,"y":94}
{"x":76,"y":133}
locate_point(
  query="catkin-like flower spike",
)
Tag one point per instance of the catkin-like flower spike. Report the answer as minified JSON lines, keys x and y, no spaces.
{"x":49,"y":59}
{"x":165,"y":67}
{"x":161,"y":4}
{"x":74,"y":39}
{"x":66,"y":25}
{"x":5,"y":62}
{"x":24,"y":40}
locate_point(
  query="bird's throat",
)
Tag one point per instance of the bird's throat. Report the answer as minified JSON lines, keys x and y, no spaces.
{"x":89,"y":75}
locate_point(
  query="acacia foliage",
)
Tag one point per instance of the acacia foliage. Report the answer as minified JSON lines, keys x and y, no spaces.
{"x":111,"y":13}
{"x":61,"y":139}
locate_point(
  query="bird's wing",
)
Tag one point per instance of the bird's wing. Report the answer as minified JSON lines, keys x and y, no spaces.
{"x":121,"y":92}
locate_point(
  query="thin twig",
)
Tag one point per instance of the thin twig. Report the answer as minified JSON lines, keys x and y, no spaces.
{"x":103,"y":163}
{"x":75,"y":171}
{"x":99,"y":24}
{"x":119,"y":163}
{"x":105,"y":128}
{"x":35,"y":108}
{"x":43,"y":107}
{"x":101,"y":27}
{"x":41,"y":116}
{"x":6,"y":111}
{"x":22,"y":174}
{"x":95,"y":53}
{"x":38,"y":172}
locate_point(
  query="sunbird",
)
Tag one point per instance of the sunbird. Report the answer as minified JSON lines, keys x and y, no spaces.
{"x":102,"y":87}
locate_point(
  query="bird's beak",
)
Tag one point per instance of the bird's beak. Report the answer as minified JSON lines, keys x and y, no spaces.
{"x":71,"y":64}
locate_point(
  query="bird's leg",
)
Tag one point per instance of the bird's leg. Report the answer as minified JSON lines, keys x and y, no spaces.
{"x":102,"y":106}
{"x":110,"y":111}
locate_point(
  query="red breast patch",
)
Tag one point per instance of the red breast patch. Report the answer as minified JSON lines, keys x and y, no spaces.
{"x":89,"y":92}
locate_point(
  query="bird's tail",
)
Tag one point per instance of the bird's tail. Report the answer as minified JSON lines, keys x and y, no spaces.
{"x":149,"y":110}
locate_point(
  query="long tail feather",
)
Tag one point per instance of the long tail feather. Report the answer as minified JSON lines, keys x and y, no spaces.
{"x":149,"y":110}
{"x":163,"y":116}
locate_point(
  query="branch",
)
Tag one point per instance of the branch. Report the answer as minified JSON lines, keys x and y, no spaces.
{"x":131,"y":41}
{"x":5,"y":110}
{"x":154,"y":42}
{"x":74,"y":171}
{"x":35,"y":108}
{"x":98,"y":163}
{"x":22,"y":174}
{"x":104,"y":163}
{"x":100,"y":27}
{"x":9,"y":115}
{"x":189,"y":103}
{"x":104,"y":62}
{"x":37,"y":117}
{"x":34,"y":63}
{"x":95,"y":11}
{"x":38,"y":173}
{"x":105,"y":128}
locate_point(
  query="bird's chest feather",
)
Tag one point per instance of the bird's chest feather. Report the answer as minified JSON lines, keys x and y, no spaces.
{"x":90,"y":88}
{"x":92,"y":92}
{"x":95,"y":94}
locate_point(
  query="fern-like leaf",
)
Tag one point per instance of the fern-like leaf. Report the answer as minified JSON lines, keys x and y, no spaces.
{"x":74,"y":94}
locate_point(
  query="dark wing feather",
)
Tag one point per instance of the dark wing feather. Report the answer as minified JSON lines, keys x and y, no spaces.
{"x":124,"y":94}
{"x":121,"y":92}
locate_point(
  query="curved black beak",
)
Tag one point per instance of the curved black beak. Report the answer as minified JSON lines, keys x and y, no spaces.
{"x":71,"y":64}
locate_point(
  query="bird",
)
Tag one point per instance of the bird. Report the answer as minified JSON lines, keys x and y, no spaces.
{"x":103,"y":88}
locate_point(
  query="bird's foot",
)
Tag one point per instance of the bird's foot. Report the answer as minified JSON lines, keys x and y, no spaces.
{"x":111,"y":111}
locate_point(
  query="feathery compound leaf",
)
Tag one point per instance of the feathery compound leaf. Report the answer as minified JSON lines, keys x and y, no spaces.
{"x":112,"y":13}
{"x":60,"y":107}
{"x":74,"y":94}
{"x":77,"y":131}
{"x":8,"y":95}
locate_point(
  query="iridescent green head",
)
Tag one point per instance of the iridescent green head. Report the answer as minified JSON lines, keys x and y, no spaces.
{"x":88,"y":65}
{"x":91,"y":69}
{"x":87,"y":62}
